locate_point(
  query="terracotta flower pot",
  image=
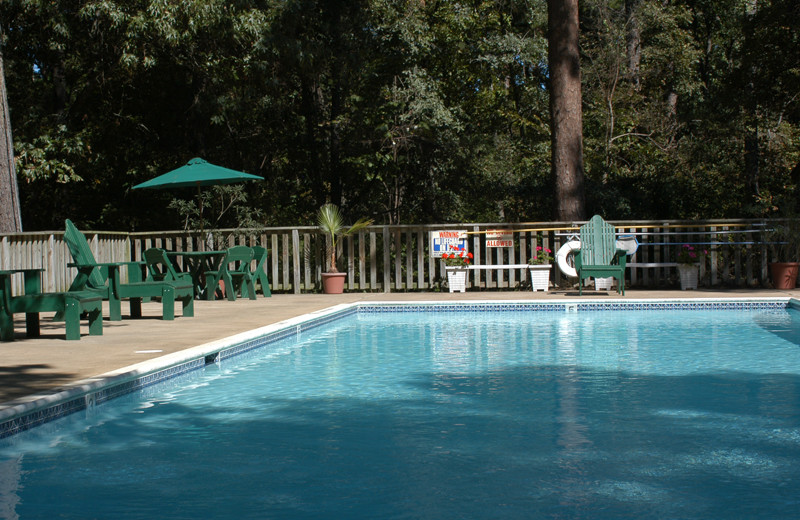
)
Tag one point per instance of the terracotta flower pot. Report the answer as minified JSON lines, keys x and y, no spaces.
{"x":784,"y":274}
{"x":333,"y":283}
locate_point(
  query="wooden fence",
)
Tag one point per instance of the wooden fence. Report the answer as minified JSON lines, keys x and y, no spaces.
{"x":396,"y":258}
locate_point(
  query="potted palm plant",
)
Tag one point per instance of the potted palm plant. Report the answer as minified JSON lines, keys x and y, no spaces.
{"x":786,"y":237}
{"x":331,"y":223}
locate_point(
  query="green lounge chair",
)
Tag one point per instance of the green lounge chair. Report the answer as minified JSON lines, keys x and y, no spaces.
{"x":105,"y":279}
{"x":234,"y":272}
{"x":71,"y":304}
{"x":260,"y":272}
{"x":598,"y":256}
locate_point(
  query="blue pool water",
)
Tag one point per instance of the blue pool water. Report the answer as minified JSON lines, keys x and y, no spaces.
{"x":653,"y":414}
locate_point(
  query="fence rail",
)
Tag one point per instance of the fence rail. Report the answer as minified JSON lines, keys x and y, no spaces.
{"x":396,"y":258}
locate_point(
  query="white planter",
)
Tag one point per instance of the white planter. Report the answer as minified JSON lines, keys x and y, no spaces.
{"x":540,"y":277}
{"x":688,"y":276}
{"x":603,"y":284}
{"x":457,"y":280}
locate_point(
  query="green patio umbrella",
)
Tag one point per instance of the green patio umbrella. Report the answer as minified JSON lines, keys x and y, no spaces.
{"x":197,"y":172}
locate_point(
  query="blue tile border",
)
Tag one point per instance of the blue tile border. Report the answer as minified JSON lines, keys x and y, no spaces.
{"x":76,"y":401}
{"x":580,"y":306}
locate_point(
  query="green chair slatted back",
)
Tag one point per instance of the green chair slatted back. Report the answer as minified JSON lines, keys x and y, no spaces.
{"x":260,"y":272}
{"x":598,"y":255}
{"x":240,"y":255}
{"x":598,"y":242}
{"x":160,"y":268}
{"x":82,"y":254}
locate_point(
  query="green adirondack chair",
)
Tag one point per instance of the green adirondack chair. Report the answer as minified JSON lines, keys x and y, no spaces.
{"x":260,"y":272}
{"x":105,"y":279}
{"x":71,"y":304}
{"x":598,"y":255}
{"x":234,"y":271}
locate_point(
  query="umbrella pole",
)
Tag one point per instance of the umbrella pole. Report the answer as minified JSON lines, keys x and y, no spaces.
{"x":202,"y":220}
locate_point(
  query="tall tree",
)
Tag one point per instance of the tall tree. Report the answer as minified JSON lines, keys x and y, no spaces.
{"x":565,"y":108}
{"x":10,"y":215}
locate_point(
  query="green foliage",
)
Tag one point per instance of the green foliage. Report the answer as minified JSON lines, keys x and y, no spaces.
{"x":50,"y":157}
{"x":407,"y":111}
{"x":217,"y":207}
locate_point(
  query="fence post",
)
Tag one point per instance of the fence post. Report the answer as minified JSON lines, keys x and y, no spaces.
{"x":362,"y":260}
{"x":274,"y":258}
{"x":285,"y":256}
{"x":409,"y":260}
{"x":398,"y":254}
{"x":306,"y":261}
{"x":296,"y":260}
{"x":420,"y":258}
{"x":387,"y":260}
{"x":51,"y":267}
{"x":714,"y":255}
{"x":351,"y":266}
{"x":476,"y":246}
{"x":762,"y":238}
{"x":373,"y":261}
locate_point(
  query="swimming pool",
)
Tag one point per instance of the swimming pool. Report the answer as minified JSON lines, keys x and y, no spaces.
{"x":515,"y":414}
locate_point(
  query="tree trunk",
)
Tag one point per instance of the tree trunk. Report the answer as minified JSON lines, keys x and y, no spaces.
{"x":634,"y":42}
{"x":10,"y":215}
{"x":752,"y":151}
{"x":565,"y":108}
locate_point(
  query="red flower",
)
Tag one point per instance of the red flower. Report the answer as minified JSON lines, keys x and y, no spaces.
{"x":469,"y":255}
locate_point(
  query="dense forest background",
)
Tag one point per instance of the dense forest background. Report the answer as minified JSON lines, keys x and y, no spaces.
{"x":416,"y":111}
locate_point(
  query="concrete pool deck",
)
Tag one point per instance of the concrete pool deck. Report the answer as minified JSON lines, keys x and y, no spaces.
{"x":49,"y":363}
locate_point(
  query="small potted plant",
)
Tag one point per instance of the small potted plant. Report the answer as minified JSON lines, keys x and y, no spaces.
{"x":688,"y":259}
{"x":457,"y":260}
{"x":539,"y":266}
{"x":784,"y":239}
{"x":331,"y":223}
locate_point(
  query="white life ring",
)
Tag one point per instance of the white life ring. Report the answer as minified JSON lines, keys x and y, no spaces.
{"x":564,"y":258}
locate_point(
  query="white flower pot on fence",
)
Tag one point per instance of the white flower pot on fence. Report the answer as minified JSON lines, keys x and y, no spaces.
{"x":603,"y":284}
{"x":457,"y":279}
{"x":540,"y":277}
{"x":688,"y":275}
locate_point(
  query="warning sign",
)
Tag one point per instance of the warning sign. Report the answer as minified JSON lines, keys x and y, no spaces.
{"x":441,"y":242}
{"x":499,"y":238}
